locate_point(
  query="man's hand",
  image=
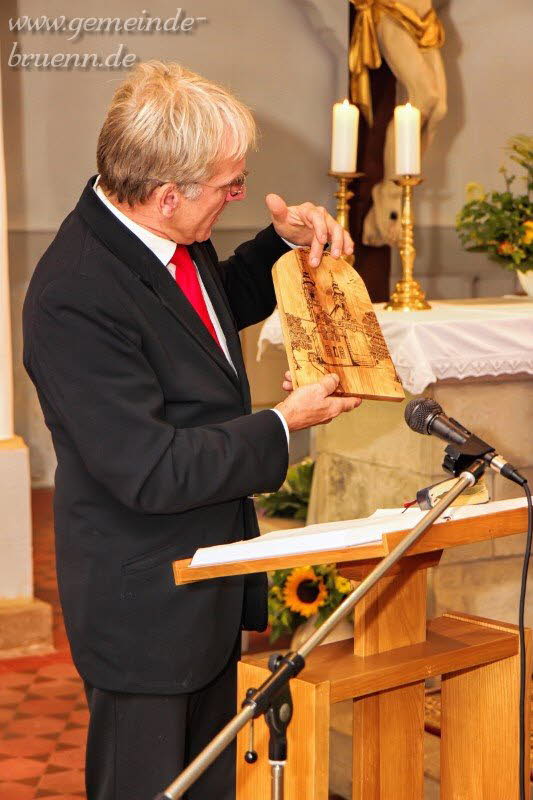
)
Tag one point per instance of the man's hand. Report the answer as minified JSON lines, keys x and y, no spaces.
{"x":313,"y":404}
{"x":308,"y":225}
{"x":287,"y":382}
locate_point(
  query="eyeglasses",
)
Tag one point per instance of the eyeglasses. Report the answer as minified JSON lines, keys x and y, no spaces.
{"x":234,"y":188}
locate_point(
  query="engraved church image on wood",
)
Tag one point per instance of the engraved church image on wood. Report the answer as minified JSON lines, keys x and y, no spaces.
{"x":329,"y":325}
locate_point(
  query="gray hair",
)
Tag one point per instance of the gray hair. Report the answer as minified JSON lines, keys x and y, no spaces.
{"x":168,"y":124}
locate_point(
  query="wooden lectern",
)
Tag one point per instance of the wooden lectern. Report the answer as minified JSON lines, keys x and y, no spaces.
{"x":383,"y":670}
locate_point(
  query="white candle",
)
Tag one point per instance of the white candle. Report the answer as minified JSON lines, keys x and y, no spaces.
{"x":344,"y":137}
{"x":407,"y":139}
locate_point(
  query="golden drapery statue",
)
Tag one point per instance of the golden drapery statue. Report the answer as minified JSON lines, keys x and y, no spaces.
{"x":427,"y":32}
{"x":408,"y":35}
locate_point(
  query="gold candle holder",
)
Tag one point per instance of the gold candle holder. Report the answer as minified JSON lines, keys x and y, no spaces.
{"x":344,"y":195}
{"x":408,"y":294}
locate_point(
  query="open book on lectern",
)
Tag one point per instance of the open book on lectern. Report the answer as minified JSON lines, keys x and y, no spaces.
{"x":332,"y":535}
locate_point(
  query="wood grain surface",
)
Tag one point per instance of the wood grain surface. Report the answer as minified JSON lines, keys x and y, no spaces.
{"x":480,"y":728}
{"x":329,"y":325}
{"x":478,"y":659}
{"x":306,"y":775}
{"x":388,"y":726}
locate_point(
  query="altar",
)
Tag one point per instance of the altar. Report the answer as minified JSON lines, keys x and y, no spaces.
{"x":475,"y":357}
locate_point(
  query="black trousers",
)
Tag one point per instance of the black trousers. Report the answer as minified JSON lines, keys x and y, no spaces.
{"x":138,"y":743}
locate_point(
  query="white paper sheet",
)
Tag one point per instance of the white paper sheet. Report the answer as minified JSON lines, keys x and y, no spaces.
{"x":332,"y":535}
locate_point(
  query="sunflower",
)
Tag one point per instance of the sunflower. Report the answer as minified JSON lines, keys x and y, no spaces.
{"x":304,"y":591}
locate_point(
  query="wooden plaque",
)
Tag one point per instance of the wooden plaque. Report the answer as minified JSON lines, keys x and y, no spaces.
{"x":329,"y":325}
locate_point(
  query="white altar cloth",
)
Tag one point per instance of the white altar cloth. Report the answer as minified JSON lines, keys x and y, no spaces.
{"x":450,"y":341}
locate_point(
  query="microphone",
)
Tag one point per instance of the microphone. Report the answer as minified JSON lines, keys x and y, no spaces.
{"x":425,"y":415}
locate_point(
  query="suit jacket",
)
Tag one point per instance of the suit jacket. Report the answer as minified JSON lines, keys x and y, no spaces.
{"x":156,"y":446}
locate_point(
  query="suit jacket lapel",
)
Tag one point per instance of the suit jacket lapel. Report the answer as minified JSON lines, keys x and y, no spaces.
{"x":129,"y":249}
{"x":217,"y":296}
{"x":174,"y":300}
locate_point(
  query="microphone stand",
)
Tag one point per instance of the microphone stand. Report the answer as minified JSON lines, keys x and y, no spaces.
{"x":273,"y":697}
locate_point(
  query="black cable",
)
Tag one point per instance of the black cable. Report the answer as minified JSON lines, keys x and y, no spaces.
{"x":521,"y":609}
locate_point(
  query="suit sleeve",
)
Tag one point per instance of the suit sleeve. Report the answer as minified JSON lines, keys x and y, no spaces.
{"x":247,"y":276}
{"x":89,"y":367}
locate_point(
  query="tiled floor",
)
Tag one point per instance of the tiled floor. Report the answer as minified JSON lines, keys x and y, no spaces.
{"x":42,"y":742}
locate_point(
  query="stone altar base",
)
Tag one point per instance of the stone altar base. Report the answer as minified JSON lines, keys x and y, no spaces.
{"x":370,"y":459}
{"x":25,"y":623}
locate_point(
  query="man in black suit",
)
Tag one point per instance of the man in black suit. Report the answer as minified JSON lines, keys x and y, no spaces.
{"x":131,"y":338}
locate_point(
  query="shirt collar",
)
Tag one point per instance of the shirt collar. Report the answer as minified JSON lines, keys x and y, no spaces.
{"x":164,"y":249}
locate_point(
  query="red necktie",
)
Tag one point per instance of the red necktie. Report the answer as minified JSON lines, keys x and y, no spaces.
{"x":187,"y":280}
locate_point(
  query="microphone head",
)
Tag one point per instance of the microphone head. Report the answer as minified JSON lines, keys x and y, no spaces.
{"x":419,"y":412}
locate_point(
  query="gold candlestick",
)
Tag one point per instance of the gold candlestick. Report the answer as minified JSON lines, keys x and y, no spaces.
{"x":408,"y":294}
{"x":344,"y":195}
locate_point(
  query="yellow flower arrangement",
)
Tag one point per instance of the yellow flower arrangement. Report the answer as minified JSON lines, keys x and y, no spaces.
{"x":527,"y":238}
{"x":474,"y":191}
{"x":501,"y":223}
{"x":304,"y":592}
{"x":297,"y":594}
{"x":506,"y":248}
{"x":343,"y":585}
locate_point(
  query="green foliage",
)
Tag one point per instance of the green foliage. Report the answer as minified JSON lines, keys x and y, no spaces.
{"x":292,"y":499}
{"x":501,"y":223}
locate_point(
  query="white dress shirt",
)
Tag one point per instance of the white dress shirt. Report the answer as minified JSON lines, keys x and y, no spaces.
{"x":164,"y":249}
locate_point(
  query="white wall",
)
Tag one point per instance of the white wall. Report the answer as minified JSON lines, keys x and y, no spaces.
{"x":489,"y":67}
{"x":267,"y":53}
